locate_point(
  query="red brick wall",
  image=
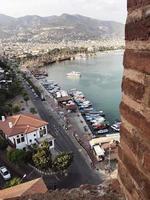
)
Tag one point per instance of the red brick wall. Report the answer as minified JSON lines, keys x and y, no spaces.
{"x":134,"y":150}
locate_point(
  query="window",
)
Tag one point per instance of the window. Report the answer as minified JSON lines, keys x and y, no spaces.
{"x":22,"y":139}
{"x":44,"y":131}
{"x":34,"y":135}
{"x":30,"y":141}
{"x":41,"y":133}
{"x":18,"y":140}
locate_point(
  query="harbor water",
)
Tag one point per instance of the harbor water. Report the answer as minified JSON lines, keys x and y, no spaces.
{"x":100,"y":80}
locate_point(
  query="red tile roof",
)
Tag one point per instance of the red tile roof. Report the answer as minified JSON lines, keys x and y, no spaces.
{"x":30,"y":187}
{"x":23,"y":123}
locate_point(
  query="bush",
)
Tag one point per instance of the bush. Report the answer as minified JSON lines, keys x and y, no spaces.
{"x":26,"y":98}
{"x":62,"y":161}
{"x":13,"y":182}
{"x":32,"y":110}
{"x":24,"y":93}
{"x":16,"y":109}
{"x":17,"y":156}
{"x":3,"y":144}
{"x":42,"y":158}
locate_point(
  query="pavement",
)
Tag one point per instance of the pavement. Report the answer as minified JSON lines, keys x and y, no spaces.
{"x":80,"y":171}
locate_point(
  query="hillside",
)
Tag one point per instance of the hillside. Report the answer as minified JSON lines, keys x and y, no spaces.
{"x":57,"y":28}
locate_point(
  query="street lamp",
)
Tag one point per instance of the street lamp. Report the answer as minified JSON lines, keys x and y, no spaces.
{"x":23,"y":177}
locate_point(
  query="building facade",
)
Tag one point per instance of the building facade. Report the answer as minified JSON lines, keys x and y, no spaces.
{"x":25,"y":130}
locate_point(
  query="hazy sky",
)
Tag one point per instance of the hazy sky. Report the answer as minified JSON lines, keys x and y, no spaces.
{"x":100,"y":9}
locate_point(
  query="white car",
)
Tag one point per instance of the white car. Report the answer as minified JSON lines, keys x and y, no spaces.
{"x":5,"y":173}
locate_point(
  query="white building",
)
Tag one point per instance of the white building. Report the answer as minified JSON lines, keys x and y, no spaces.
{"x":24,"y":130}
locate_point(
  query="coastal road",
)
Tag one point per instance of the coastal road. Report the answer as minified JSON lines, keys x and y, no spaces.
{"x":80,"y":171}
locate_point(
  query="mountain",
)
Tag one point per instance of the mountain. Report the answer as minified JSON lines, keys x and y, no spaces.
{"x":58,"y":28}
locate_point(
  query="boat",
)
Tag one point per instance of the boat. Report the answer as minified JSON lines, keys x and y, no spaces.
{"x":103,"y":131}
{"x":116,"y":126}
{"x":74,"y":74}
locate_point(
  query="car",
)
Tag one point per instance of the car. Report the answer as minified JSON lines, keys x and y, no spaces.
{"x":5,"y":173}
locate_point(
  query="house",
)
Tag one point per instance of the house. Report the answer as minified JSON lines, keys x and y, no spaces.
{"x":24,"y":130}
{"x":36,"y":186}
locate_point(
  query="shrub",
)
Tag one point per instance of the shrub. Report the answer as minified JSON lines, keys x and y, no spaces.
{"x":17,"y":156}
{"x":32,"y":110}
{"x":16,"y":109}
{"x":26,"y":98}
{"x":13,"y":182}
{"x":62,"y":161}
{"x":42,"y":158}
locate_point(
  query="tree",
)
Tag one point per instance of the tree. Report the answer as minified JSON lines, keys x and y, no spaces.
{"x":17,"y":156}
{"x":13,"y":182}
{"x":24,"y":93}
{"x":16,"y":109}
{"x":32,"y":110}
{"x":43,"y":158}
{"x":62,"y":161}
{"x":26,"y":99}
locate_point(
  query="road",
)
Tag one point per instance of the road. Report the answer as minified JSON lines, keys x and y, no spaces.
{"x":80,"y":171}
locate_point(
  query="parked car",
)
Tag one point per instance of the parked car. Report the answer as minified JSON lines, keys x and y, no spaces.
{"x":5,"y":173}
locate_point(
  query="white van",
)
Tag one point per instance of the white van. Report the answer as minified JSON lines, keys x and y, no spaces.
{"x":99,"y":152}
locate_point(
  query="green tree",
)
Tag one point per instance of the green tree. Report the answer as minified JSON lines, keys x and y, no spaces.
{"x":24,"y":93}
{"x":43,"y":158}
{"x":62,"y":161}
{"x":17,"y":156}
{"x":16,"y":109}
{"x":13,"y":182}
{"x":32,"y":110}
{"x":26,"y":99}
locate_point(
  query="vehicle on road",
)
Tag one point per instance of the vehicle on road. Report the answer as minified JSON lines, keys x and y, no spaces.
{"x":5,"y":173}
{"x":99,"y":152}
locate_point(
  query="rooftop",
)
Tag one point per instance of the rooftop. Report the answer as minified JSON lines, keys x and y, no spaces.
{"x":28,"y":188}
{"x":23,"y":123}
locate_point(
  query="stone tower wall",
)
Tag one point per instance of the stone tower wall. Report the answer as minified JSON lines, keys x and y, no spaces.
{"x":134,"y":150}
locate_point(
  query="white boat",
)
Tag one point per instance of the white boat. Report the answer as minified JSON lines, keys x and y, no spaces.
{"x":116,"y":126}
{"x":73,"y":74}
{"x":103,"y":131}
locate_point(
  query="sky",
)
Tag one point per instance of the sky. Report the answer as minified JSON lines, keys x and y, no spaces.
{"x":101,"y":9}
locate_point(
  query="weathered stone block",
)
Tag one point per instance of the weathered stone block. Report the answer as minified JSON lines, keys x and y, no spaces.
{"x":139,"y":30}
{"x":141,"y":180}
{"x":138,"y":60}
{"x":134,"y":4}
{"x":133,"y":89}
{"x":136,"y":119}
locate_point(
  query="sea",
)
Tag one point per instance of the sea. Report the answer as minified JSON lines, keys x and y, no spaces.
{"x":100,"y":80}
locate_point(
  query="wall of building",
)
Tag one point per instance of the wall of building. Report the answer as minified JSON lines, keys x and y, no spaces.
{"x":29,"y":138}
{"x":134,"y":150}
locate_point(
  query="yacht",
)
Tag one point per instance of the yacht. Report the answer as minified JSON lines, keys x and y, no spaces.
{"x":74,"y":74}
